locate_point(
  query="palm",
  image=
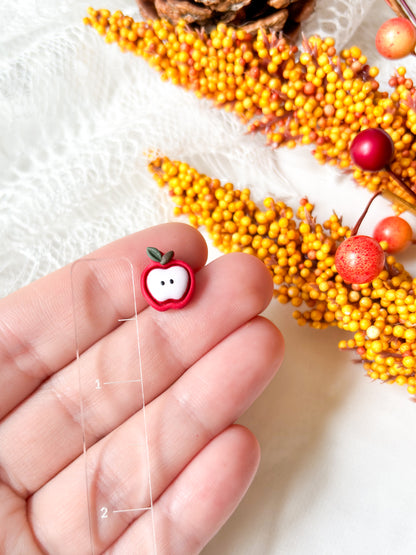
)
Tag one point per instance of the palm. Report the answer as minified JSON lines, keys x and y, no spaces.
{"x":202,"y":367}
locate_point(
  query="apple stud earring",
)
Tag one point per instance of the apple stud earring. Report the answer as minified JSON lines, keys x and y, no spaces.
{"x":166,"y":282}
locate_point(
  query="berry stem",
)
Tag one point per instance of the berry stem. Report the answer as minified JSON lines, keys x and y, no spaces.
{"x":355,"y":229}
{"x":398,"y":201}
{"x":400,"y":182}
{"x":406,"y":8}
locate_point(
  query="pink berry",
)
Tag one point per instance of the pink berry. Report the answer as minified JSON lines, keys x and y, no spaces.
{"x":372,"y":149}
{"x":395,"y":231}
{"x":359,"y":259}
{"x":396,"y":38}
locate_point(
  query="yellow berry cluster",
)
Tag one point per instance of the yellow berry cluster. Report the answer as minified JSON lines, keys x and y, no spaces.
{"x":314,"y":97}
{"x":299,"y":253}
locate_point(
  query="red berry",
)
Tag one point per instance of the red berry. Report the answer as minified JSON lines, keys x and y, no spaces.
{"x":395,"y":231}
{"x":359,"y":259}
{"x":396,"y":38}
{"x":372,"y":149}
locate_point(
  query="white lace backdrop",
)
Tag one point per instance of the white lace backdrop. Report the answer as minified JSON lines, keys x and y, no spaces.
{"x":76,"y":117}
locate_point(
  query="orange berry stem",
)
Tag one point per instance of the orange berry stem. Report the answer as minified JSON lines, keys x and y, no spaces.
{"x":401,"y":183}
{"x":317,"y":96}
{"x":300,"y":255}
{"x":406,"y":8}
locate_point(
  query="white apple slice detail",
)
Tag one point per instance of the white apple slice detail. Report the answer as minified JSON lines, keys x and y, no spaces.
{"x":167,"y":283}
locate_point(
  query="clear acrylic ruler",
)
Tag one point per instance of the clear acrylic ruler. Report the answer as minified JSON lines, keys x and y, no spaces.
{"x":112,"y":404}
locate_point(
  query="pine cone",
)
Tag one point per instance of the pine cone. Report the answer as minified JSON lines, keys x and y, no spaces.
{"x":251,"y":15}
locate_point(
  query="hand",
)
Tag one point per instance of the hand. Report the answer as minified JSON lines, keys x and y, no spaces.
{"x":202,"y":367}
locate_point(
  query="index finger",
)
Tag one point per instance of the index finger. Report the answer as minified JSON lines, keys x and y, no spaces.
{"x":36,"y":323}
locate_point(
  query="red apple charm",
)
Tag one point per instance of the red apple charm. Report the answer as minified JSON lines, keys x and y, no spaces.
{"x":166,"y":282}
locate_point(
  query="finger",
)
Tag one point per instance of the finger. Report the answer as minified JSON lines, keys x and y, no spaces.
{"x":180,"y":422}
{"x":15,"y":536}
{"x":200,"y":500}
{"x":36,"y":322}
{"x":230,"y":291}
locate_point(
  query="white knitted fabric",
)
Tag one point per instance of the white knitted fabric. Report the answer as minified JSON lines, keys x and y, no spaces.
{"x":76,"y":117}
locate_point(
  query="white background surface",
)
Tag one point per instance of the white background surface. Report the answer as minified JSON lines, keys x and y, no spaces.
{"x":338,"y":468}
